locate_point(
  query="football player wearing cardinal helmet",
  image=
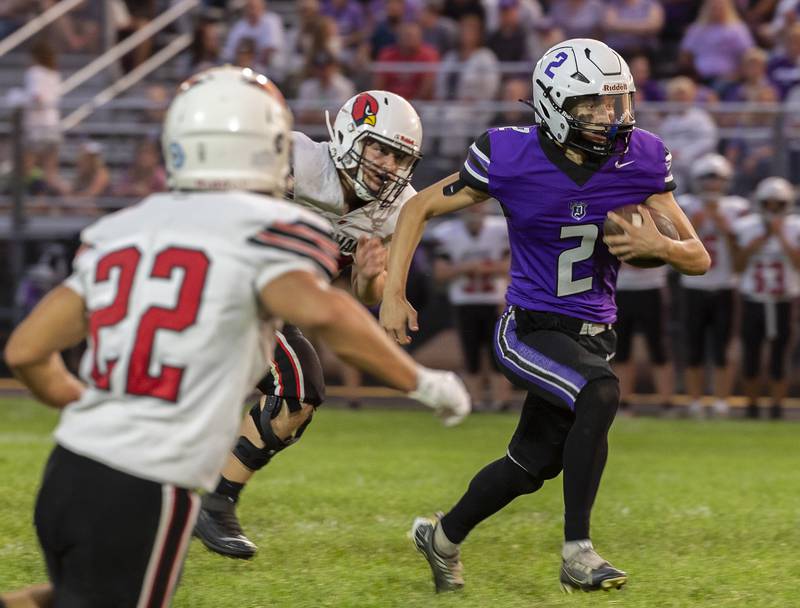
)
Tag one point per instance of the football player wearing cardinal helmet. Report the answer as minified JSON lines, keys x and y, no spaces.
{"x":358,"y":181}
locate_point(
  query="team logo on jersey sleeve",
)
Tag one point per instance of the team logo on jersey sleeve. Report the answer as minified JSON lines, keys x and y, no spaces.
{"x":365,"y":107}
{"x":577,"y":210}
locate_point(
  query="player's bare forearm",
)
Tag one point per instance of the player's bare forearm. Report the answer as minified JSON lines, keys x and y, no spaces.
{"x":302,"y":299}
{"x":358,"y":340}
{"x":32,"y":351}
{"x":435,"y":200}
{"x":50,"y":381}
{"x":689,"y":255}
{"x":369,"y":291}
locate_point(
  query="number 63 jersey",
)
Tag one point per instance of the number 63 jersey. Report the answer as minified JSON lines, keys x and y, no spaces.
{"x":555,"y":211}
{"x":769,"y":275}
{"x":175,"y":341}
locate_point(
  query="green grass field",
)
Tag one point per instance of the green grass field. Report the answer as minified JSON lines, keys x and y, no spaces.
{"x":699,"y":514}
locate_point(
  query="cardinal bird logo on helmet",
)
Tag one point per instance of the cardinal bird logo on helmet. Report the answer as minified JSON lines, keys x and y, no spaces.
{"x":365,"y":107}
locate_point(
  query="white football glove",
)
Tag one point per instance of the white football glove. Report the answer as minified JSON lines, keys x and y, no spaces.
{"x":444,"y":392}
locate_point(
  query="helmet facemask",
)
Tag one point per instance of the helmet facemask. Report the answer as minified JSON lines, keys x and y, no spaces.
{"x":366,"y":167}
{"x":600,"y":124}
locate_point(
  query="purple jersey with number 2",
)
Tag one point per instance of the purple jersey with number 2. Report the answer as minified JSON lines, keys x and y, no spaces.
{"x":555,"y":211}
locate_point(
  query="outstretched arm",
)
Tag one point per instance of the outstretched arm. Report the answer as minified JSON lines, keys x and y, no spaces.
{"x":449,"y":194}
{"x":332,"y":315}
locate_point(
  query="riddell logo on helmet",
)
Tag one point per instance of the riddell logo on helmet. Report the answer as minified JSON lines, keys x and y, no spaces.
{"x":365,"y":107}
{"x":617,"y":87}
{"x":405,"y":140}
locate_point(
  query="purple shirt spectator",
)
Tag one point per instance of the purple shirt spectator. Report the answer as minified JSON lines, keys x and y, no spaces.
{"x":784,"y":68}
{"x":348,"y":14}
{"x":633,"y":25}
{"x":717,"y":49}
{"x":578,"y":18}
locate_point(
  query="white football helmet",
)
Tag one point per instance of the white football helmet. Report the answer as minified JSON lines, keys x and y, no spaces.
{"x":711,"y":173}
{"x":228,"y":128}
{"x":389,"y":120}
{"x":583,"y":96}
{"x":774,"y":196}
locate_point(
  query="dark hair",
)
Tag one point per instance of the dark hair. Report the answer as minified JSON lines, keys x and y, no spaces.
{"x":44,"y":54}
{"x":198,"y":50}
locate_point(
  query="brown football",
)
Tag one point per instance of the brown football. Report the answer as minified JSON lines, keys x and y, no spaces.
{"x":632,"y":214}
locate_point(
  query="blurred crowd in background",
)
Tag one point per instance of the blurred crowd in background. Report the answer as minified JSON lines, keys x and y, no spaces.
{"x":712,"y":76}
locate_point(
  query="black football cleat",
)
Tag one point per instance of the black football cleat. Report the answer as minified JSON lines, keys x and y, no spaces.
{"x":447,"y":571}
{"x":587,"y":571}
{"x":219,"y":529}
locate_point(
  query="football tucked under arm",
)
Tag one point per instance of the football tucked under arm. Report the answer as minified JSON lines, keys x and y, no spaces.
{"x":633,"y":215}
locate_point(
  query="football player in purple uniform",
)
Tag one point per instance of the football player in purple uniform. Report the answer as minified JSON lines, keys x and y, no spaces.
{"x":557,"y":182}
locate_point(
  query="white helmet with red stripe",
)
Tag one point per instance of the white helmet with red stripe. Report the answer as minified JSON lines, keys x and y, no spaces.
{"x":228,"y":128}
{"x":387,"y":120}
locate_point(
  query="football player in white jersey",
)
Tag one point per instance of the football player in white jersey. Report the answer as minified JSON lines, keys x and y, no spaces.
{"x":641,"y":294}
{"x":358,"y":181}
{"x":472,"y":255}
{"x":178,"y":296}
{"x":768,"y":258}
{"x":709,"y":299}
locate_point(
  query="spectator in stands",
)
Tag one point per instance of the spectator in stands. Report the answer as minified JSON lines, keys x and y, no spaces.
{"x":472,"y":256}
{"x":753,"y":149}
{"x":13,"y":14}
{"x":410,"y":48}
{"x":688,"y":133}
{"x":327,"y":88}
{"x":158,"y":97}
{"x":299,"y":38}
{"x":752,"y":78}
{"x":246,"y":55}
{"x":265,"y":28}
{"x":714,"y":44}
{"x":468,"y":74}
{"x":92,"y":178}
{"x":350,"y":21}
{"x":385,"y":33}
{"x":632,"y":26}
{"x":140,"y":13}
{"x":146,"y":175}
{"x":641,"y":306}
{"x":678,"y":15}
{"x":515,"y":113}
{"x":42,"y":120}
{"x":578,"y":18}
{"x":647,"y":87}
{"x":510,"y":41}
{"x":206,"y":49}
{"x":784,"y":67}
{"x":437,"y":30}
{"x":75,"y":31}
{"x":456,"y":9}
{"x":785,"y":15}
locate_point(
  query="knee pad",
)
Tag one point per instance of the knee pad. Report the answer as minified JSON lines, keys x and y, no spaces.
{"x":252,"y":457}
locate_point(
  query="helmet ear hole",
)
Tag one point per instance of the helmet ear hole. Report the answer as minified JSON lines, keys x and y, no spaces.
{"x":340,"y":136}
{"x":544,"y":109}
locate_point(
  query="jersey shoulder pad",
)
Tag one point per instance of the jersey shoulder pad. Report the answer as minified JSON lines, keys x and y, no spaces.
{"x":293,"y":232}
